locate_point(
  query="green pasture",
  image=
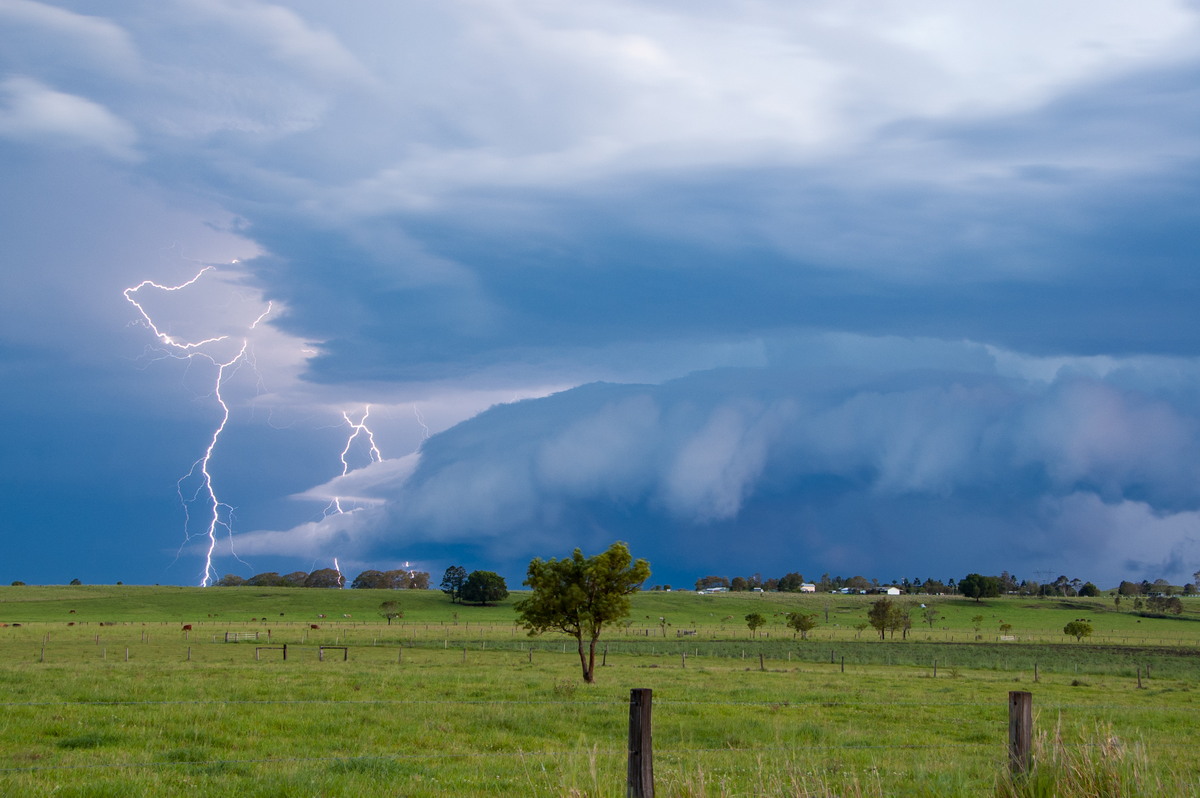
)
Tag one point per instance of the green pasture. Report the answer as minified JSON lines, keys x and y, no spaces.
{"x":665,"y":615}
{"x":115,"y":699}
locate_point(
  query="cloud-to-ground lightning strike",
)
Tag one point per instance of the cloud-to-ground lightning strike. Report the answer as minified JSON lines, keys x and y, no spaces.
{"x":356,"y":428}
{"x":218,"y":513}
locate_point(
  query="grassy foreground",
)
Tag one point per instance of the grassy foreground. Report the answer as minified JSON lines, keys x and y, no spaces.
{"x":455,"y":701}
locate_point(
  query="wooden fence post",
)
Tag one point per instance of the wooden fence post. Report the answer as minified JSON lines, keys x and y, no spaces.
{"x":1020,"y":731}
{"x":639,"y":782}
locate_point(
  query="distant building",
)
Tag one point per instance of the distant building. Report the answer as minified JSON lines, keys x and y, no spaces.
{"x":808,"y":587}
{"x":893,"y":591}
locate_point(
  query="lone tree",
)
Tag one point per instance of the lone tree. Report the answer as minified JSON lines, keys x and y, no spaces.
{"x":579,"y":595}
{"x":452,"y":581}
{"x":886,"y":615}
{"x":802,"y":622}
{"x":755,"y":620}
{"x":931,"y":616}
{"x":483,"y":587}
{"x":1078,"y":629}
{"x":391,"y":609}
{"x":979,"y":587}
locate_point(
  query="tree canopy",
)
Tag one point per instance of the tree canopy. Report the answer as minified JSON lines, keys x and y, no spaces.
{"x":802,"y":622}
{"x":452,"y":581}
{"x":979,"y":587}
{"x":1078,"y":629}
{"x":483,"y":587}
{"x":391,"y":609}
{"x":580,"y":595}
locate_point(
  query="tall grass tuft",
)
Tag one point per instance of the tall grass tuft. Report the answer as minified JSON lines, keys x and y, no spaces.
{"x":1101,"y":767}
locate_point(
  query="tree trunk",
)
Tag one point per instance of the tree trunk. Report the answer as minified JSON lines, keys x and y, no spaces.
{"x":588,"y":675}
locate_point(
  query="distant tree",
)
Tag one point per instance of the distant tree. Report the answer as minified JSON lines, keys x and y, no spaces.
{"x":739,"y":584}
{"x":1078,"y":629}
{"x":76,"y":582}
{"x":802,"y":622}
{"x":790,"y":583}
{"x":931,"y":616}
{"x":979,"y":587}
{"x":390,"y":609}
{"x":416,"y":580}
{"x":903,"y":620}
{"x":484,"y":587}
{"x":1189,"y":589}
{"x":230,"y":580}
{"x":1089,"y":590}
{"x":324,"y":577}
{"x":452,"y":581}
{"x":1165,"y":604}
{"x":859,"y":628}
{"x":1005,"y":628}
{"x":1008,"y":583}
{"x":267,"y":579}
{"x":755,"y":620}
{"x":858,"y":583}
{"x":884,"y":616}
{"x":1129,"y":589}
{"x":18,"y":583}
{"x":294,"y":579}
{"x":977,"y":623}
{"x":1117,"y":600}
{"x":705,"y":582}
{"x":371,"y":580}
{"x":580,"y":595}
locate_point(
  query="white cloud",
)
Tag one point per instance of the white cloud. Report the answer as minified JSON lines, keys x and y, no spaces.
{"x":34,"y":113}
{"x":36,"y":28}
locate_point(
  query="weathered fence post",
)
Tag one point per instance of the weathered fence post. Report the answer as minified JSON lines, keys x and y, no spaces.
{"x":639,"y":782}
{"x":761,"y":665}
{"x":1020,"y":731}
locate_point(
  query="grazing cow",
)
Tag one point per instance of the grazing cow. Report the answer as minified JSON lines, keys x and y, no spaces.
{"x":322,"y":615}
{"x":187,"y":627}
{"x":70,"y":623}
{"x":345,"y":615}
{"x":72,"y":612}
{"x":313,"y":626}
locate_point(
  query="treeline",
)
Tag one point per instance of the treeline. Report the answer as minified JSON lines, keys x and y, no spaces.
{"x":331,"y":577}
{"x":972,"y":586}
{"x":793,"y":582}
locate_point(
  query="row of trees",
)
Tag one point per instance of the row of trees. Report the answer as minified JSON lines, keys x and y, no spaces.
{"x":1004,"y":584}
{"x":331,"y":577}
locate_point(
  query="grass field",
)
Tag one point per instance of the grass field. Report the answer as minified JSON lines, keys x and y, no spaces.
{"x":116,"y":699}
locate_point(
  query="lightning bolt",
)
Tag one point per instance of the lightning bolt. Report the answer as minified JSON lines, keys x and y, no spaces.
{"x":421,"y":421}
{"x":218,"y":514}
{"x":357,"y":428}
